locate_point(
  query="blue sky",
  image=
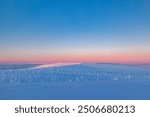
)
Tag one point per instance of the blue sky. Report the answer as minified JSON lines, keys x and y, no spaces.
{"x":58,"y":28}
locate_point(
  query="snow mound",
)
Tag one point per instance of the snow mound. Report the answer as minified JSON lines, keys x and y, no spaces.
{"x":74,"y":72}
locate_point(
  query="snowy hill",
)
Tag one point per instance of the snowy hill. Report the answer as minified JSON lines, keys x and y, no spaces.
{"x":72,"y":77}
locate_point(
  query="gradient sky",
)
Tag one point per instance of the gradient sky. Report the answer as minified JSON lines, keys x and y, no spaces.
{"x":46,"y":31}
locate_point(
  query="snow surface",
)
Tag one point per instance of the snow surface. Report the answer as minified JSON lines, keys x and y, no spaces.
{"x":75,"y":81}
{"x":54,"y":65}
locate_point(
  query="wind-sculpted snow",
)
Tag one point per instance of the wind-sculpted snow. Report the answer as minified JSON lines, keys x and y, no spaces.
{"x":74,"y":73}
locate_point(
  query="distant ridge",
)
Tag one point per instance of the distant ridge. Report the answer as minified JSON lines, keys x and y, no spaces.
{"x":54,"y":65}
{"x":136,"y":64}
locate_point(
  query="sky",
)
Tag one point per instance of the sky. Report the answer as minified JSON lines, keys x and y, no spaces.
{"x":49,"y":31}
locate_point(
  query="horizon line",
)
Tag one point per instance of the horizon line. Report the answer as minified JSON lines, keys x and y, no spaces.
{"x":119,"y":63}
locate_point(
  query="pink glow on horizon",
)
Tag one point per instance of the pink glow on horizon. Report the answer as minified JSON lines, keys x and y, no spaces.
{"x":128,"y":58}
{"x":54,"y":65}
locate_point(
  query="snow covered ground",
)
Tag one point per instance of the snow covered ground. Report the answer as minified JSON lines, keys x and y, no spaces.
{"x":75,"y":81}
